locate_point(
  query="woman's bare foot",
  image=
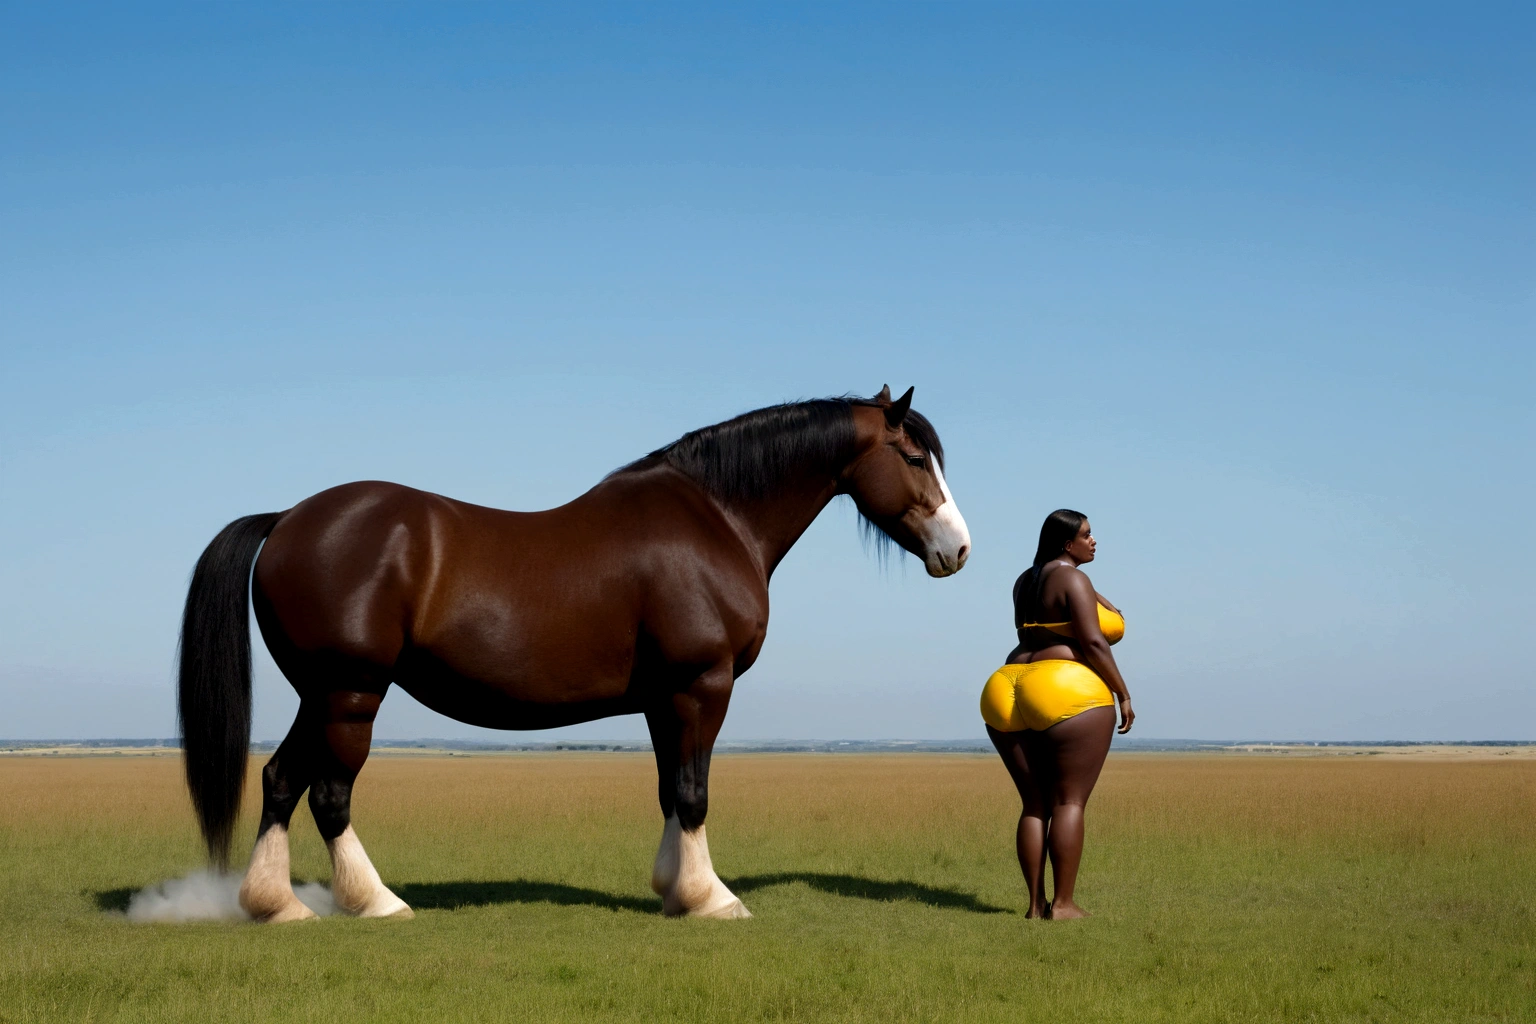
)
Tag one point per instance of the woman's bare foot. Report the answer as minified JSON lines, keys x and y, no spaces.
{"x":1066,"y":911}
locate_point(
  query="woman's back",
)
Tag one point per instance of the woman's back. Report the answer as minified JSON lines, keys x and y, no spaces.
{"x":1048,"y":603}
{"x":1039,"y":595}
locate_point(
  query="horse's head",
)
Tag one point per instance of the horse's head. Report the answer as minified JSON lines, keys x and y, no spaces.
{"x":897,"y":482}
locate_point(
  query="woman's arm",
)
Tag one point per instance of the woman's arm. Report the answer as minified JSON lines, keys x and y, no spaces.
{"x":1083,"y":610}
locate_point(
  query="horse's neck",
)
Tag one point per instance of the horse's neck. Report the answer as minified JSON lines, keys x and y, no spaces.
{"x":772,"y":525}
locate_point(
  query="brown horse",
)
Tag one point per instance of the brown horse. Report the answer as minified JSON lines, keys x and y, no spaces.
{"x":646,"y":595}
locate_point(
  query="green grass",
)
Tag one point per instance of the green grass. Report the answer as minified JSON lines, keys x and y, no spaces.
{"x":884,"y":888}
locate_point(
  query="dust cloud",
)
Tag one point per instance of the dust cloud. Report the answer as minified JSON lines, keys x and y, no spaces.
{"x":210,"y":896}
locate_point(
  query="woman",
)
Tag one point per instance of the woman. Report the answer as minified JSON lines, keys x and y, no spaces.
{"x":1050,"y":710}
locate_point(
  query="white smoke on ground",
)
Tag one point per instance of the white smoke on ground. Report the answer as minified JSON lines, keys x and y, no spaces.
{"x":210,"y":896}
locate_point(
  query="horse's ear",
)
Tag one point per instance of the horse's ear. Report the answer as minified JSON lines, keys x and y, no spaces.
{"x":884,"y":396}
{"x":896,"y":412}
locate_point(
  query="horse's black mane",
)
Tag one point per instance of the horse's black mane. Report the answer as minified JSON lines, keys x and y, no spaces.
{"x":748,"y":457}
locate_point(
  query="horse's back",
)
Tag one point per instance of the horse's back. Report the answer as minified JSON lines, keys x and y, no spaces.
{"x":554,"y":604}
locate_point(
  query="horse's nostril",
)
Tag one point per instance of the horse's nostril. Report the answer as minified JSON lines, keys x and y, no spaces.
{"x":965,"y":552}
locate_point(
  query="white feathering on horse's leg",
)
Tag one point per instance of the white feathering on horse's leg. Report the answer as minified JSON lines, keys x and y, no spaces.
{"x":356,"y":884}
{"x":267,"y":891}
{"x":664,"y":871}
{"x":686,"y":879}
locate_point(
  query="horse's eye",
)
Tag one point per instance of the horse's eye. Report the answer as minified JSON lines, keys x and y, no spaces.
{"x":916,"y":460}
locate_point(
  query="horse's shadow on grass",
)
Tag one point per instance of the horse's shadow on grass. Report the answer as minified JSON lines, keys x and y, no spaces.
{"x":854,"y":887}
{"x":454,"y":895}
{"x":113,"y":901}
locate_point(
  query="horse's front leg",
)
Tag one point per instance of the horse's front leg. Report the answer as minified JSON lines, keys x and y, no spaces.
{"x":683,"y":731}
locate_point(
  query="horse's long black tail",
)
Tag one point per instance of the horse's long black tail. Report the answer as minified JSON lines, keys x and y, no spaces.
{"x":213,"y":697}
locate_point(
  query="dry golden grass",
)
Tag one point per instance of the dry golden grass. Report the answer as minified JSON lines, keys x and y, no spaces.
{"x":1225,"y":888}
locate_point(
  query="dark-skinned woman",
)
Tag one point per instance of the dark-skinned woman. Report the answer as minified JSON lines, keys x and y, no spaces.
{"x":1051,"y":710}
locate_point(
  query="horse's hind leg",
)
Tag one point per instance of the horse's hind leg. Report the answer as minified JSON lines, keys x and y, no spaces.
{"x":683,"y":734}
{"x":348,"y":732}
{"x":267,"y":891}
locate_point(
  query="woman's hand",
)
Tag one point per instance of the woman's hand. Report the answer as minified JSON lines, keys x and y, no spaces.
{"x":1127,"y":716}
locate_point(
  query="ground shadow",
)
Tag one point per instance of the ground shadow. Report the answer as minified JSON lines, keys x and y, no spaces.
{"x":869,"y":889}
{"x":453,"y":895}
{"x":113,"y":900}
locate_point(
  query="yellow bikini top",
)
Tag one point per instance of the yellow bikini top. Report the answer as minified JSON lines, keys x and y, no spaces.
{"x":1111,"y":624}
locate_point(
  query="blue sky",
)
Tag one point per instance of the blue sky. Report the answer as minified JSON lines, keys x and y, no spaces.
{"x":1251,"y":287}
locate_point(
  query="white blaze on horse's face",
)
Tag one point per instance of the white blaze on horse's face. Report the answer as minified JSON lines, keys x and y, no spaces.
{"x":946,"y":539}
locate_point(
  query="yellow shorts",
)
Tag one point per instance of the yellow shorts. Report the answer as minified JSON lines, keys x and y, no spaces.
{"x":1038,"y":695}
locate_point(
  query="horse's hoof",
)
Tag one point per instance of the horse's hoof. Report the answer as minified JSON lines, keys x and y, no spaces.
{"x":294,"y":911}
{"x":735,"y":910}
{"x":405,"y":913}
{"x":387,"y":904}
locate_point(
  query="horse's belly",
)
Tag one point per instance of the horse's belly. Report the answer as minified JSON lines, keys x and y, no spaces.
{"x":522,"y":698}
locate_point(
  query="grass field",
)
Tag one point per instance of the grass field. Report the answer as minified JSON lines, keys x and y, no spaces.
{"x":1227,"y":888}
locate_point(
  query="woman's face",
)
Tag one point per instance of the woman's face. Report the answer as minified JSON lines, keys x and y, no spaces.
{"x":1083,"y":545}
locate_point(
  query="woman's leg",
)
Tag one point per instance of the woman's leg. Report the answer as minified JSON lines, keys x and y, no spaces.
{"x":1041,"y":757}
{"x":1080,"y":745}
{"x":1034,"y":819}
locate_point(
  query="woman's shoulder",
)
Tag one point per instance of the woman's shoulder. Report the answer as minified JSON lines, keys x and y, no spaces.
{"x":1065,"y":571}
{"x":1067,"y":578}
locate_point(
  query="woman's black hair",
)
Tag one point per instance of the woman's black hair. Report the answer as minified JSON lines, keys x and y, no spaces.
{"x":1059,"y":529}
